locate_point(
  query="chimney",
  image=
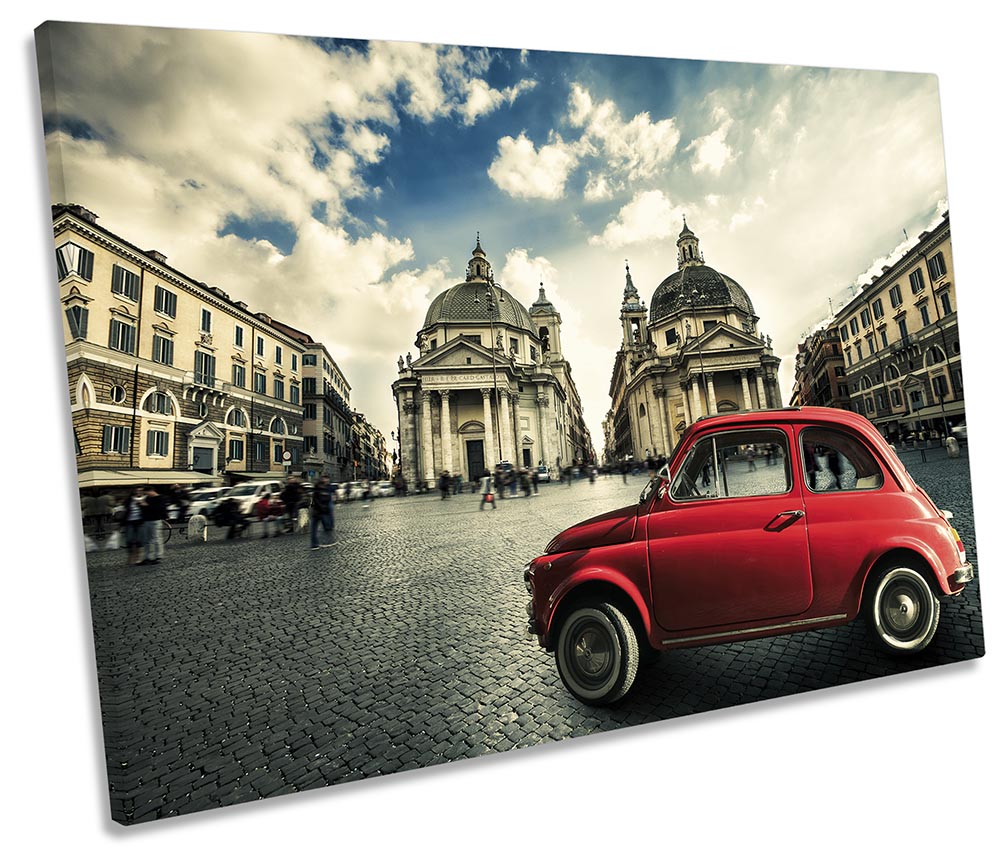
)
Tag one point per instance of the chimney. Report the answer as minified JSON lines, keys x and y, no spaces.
{"x":157,"y":256}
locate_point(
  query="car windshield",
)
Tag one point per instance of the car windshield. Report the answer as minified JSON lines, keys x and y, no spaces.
{"x":245,"y":490}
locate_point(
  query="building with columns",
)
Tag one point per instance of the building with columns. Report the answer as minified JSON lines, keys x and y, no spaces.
{"x":697,"y":352}
{"x":490,"y":384}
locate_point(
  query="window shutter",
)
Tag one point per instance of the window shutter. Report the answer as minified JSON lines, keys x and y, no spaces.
{"x":106,"y":440}
{"x":86,"y":264}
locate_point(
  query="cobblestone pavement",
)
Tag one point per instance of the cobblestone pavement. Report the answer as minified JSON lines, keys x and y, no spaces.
{"x":237,"y":670}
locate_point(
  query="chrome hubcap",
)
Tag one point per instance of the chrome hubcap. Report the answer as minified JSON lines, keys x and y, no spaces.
{"x":592,"y":652}
{"x":902,"y":611}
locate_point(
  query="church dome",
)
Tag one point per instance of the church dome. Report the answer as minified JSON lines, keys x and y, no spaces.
{"x":469,"y":301}
{"x":714,"y":289}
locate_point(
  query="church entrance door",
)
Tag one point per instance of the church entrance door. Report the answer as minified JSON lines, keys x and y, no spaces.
{"x":474,"y":457}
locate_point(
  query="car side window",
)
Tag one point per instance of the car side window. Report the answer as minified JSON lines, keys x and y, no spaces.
{"x":733,"y":464}
{"x":836,"y":461}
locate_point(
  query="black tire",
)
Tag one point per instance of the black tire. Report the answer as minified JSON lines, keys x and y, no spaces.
{"x":902,"y":609}
{"x":597,"y":654}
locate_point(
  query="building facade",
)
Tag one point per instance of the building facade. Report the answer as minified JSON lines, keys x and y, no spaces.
{"x":698,"y":352}
{"x":490,"y":385}
{"x":170,"y":380}
{"x":327,"y":418}
{"x":821,"y":379}
{"x":900,"y":337}
{"x":368,"y":450}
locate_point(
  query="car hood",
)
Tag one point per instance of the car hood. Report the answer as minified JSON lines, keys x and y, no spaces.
{"x":606,"y":529}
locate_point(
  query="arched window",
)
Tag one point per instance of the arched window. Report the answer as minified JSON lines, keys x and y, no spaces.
{"x":642,"y":411}
{"x":866,"y":382}
{"x":159,"y":402}
{"x":278,"y":425}
{"x":236,"y":418}
{"x":935,"y":355}
{"x":892,"y":372}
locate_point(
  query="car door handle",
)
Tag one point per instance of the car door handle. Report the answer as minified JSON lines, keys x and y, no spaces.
{"x":784,"y":519}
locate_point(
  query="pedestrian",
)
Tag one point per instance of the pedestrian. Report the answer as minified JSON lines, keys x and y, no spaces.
{"x":132,"y":523}
{"x":444,"y":485}
{"x":229,"y":514}
{"x":322,"y":512}
{"x":624,"y":467}
{"x":105,"y":510}
{"x":291,"y":497}
{"x":457,"y":484}
{"x":154,"y":513}
{"x":751,"y":467}
{"x":265,"y":514}
{"x":487,"y":491}
{"x":526,"y":485}
{"x":535,"y":480}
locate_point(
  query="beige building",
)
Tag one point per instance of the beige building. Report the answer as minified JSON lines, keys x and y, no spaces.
{"x":171,"y":380}
{"x":900,"y":337}
{"x":698,"y":352}
{"x":490,"y":385}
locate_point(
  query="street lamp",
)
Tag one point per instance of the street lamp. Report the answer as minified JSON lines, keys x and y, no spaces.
{"x":694,"y":295}
{"x":493,"y":305}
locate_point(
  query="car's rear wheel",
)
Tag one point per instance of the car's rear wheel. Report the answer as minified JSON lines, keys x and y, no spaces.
{"x":597,"y":654}
{"x":902,"y":609}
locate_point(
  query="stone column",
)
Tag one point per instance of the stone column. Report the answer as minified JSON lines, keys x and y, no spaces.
{"x":516,"y":427}
{"x":446,"y":431}
{"x":696,"y":400}
{"x":427,"y":467}
{"x":490,"y":456}
{"x":746,"y":391}
{"x":505,"y":426}
{"x":660,"y":393}
{"x":408,"y":440}
{"x":542,"y":408}
{"x":762,"y":399}
{"x":712,"y":394}
{"x":684,"y":403}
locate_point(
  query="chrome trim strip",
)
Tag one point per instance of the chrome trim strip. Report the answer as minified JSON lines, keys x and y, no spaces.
{"x":732,"y":632}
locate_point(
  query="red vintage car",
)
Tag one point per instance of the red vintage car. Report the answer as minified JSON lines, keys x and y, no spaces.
{"x":762,"y":523}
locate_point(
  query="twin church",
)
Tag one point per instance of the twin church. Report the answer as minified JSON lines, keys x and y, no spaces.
{"x":491,"y":384}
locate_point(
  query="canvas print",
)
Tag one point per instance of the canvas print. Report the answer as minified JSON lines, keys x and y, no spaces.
{"x":433,"y":401}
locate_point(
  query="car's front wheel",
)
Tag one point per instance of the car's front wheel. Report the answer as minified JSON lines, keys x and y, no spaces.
{"x":597,"y":654}
{"x":902,"y":609}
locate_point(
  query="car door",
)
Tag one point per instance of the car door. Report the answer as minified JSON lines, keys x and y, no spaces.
{"x":728,"y":540}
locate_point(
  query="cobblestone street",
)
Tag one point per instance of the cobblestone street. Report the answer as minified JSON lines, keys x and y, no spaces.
{"x":237,"y":670}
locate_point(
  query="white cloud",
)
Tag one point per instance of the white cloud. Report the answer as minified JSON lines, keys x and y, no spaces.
{"x":711,"y":152}
{"x":481,"y":99}
{"x":628,"y":151}
{"x":522,"y":171}
{"x":650,"y":216}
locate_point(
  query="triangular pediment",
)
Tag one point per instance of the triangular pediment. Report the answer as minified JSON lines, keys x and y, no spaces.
{"x":454,"y":354}
{"x":207,"y":430}
{"x":724,"y":337}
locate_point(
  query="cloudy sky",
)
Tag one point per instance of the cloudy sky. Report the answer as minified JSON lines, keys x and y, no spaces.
{"x":338,"y":186}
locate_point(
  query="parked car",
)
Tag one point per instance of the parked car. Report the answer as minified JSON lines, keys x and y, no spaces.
{"x":341,"y":492}
{"x":959,"y":431}
{"x":249,"y":493}
{"x":205,"y":500}
{"x":722,"y":547}
{"x":384,"y":488}
{"x":544,"y":475}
